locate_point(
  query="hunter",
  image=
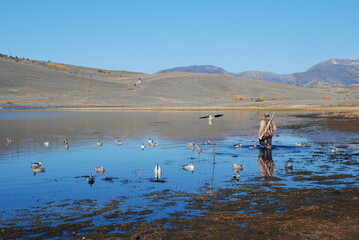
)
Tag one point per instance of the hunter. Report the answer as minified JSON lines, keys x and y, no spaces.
{"x":266,"y":140}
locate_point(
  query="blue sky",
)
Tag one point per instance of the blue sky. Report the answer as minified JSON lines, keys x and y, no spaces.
{"x":152,"y":35}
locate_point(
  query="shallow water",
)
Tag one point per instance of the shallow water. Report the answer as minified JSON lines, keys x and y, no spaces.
{"x":129,"y":181}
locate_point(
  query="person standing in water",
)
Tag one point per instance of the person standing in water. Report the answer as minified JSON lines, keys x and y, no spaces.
{"x":267,"y":128}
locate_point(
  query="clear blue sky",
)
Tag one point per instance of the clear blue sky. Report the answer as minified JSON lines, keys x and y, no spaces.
{"x":284,"y":36}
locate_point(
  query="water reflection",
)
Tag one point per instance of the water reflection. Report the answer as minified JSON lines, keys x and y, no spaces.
{"x":266,"y":164}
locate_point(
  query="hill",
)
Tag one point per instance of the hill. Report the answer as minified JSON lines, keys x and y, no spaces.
{"x":199,"y":69}
{"x":37,"y":83}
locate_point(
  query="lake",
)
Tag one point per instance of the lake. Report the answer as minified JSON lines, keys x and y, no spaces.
{"x":128,"y":191}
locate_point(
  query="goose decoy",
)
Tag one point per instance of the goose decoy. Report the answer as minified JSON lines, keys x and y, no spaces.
{"x":66,"y":141}
{"x":9,"y":141}
{"x":67,"y":146}
{"x":211,"y":117}
{"x":236,"y":175}
{"x":190,"y":144}
{"x":308,"y":144}
{"x":206,"y":142}
{"x":158,"y":172}
{"x":288,"y":166}
{"x":90,"y":179}
{"x":199,"y":149}
{"x":142,"y":146}
{"x":47,"y":143}
{"x":99,"y":143}
{"x":152,"y":144}
{"x":189,"y":167}
{"x":117,"y":142}
{"x":237,"y":145}
{"x":100,"y":170}
{"x":238,"y":167}
{"x":335,"y":150}
{"x":150,"y":140}
{"x":298,"y":144}
{"x":36,"y":164}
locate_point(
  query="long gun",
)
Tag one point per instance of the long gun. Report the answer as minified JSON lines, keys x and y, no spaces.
{"x":267,"y":127}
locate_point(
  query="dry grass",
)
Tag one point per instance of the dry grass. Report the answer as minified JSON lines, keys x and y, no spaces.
{"x":57,"y":65}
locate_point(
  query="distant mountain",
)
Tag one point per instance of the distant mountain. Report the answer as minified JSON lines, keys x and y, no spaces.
{"x":200,"y":69}
{"x":328,"y":73}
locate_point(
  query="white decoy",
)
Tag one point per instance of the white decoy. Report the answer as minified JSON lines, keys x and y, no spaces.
{"x":36,"y":164}
{"x":117,"y":142}
{"x":298,"y":144}
{"x":158,"y":172}
{"x":100,"y":170}
{"x":199,"y":149}
{"x":288,"y":166}
{"x":335,"y":150}
{"x":142,"y":146}
{"x":46,"y":144}
{"x":236,"y":175}
{"x":189,"y":167}
{"x":207,"y":142}
{"x":90,"y":179}
{"x":238,"y":167}
{"x":237,"y":145}
{"x":99,"y":143}
{"x":211,"y":117}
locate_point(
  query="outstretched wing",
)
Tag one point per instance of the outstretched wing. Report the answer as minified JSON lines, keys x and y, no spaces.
{"x":204,"y":117}
{"x":218,"y":115}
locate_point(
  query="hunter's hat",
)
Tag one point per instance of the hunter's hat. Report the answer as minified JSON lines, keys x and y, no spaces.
{"x":266,"y":114}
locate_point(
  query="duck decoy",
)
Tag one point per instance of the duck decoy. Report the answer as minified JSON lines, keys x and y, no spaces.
{"x":199,"y":149}
{"x":211,"y":117}
{"x":100,"y":170}
{"x":236,"y":175}
{"x":190,"y":144}
{"x":152,"y":144}
{"x":150,"y":140}
{"x":67,"y":146}
{"x":90,"y":179}
{"x":298,"y":144}
{"x":99,"y":143}
{"x":335,"y":150}
{"x":47,"y":143}
{"x":254,"y":146}
{"x":158,"y":172}
{"x":66,"y":141}
{"x":288,"y":166}
{"x":308,"y":144}
{"x":117,"y":142}
{"x":36,"y":164}
{"x":189,"y":167}
{"x":142,"y":146}
{"x":9,"y":141}
{"x":207,"y":142}
{"x":238,"y":167}
{"x":237,"y":145}
{"x":38,"y":170}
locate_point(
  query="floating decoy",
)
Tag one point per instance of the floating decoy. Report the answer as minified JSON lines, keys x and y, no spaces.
{"x":46,"y":144}
{"x":67,"y":146}
{"x":254,"y":146}
{"x":189,"y":167}
{"x":142,"y":146}
{"x":199,"y":149}
{"x":211,"y":117}
{"x":158,"y":172}
{"x":36,"y":164}
{"x":99,"y":143}
{"x":298,"y":144}
{"x":238,"y":167}
{"x":206,"y":142}
{"x":308,"y":144}
{"x":100,"y":170}
{"x":66,"y":141}
{"x":38,"y":170}
{"x":236,"y":175}
{"x":190,"y":144}
{"x":117,"y":142}
{"x":90,"y":179}
{"x":288,"y":166}
{"x":150,"y":140}
{"x":237,"y":145}
{"x":335,"y":150}
{"x":9,"y":141}
{"x":152,"y":144}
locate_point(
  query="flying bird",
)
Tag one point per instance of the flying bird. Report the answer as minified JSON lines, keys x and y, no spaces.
{"x":211,"y":117}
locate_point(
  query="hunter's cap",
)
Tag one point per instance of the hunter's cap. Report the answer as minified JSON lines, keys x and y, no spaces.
{"x":266,"y":114}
